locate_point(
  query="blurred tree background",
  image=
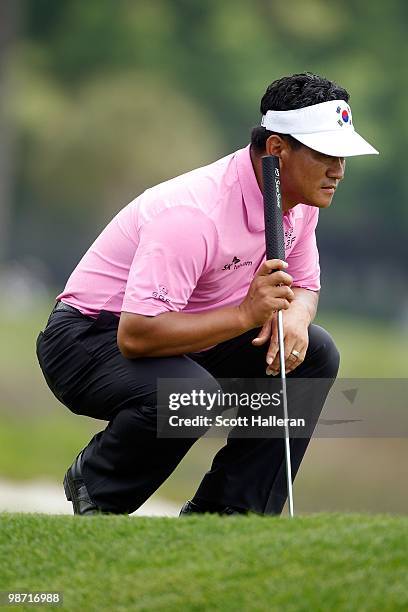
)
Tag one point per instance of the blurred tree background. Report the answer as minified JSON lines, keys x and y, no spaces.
{"x":104,"y":98}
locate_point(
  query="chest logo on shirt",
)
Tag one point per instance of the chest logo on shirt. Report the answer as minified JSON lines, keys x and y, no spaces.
{"x":236,"y":263}
{"x":289,"y":238}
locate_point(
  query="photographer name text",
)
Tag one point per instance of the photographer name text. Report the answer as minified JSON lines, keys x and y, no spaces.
{"x":241,"y":421}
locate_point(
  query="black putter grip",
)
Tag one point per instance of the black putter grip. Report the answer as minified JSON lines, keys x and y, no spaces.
{"x":274,"y":238}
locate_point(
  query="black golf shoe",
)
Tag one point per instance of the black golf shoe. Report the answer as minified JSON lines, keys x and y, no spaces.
{"x":76,"y":491}
{"x":191,"y":507}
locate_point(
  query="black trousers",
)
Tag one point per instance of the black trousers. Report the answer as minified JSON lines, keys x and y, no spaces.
{"x":125,"y":463}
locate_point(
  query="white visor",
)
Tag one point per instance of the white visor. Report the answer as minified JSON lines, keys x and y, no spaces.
{"x":326,"y":127}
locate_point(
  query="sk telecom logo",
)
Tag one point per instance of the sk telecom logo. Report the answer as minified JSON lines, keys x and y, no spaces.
{"x":236,"y":263}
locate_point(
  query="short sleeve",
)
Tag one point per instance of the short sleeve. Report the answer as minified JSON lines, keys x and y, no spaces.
{"x":303,"y":260}
{"x":173,"y":251}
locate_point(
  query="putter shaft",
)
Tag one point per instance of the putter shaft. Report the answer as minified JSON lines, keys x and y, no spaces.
{"x":285,"y":412}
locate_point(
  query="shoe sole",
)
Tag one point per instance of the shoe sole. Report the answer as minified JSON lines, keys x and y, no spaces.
{"x":70,"y":497}
{"x":68,"y":491}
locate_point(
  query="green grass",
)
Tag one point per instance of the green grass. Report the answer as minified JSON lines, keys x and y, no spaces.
{"x":314,"y":563}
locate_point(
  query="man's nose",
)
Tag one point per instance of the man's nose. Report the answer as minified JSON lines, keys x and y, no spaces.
{"x":336,"y":168}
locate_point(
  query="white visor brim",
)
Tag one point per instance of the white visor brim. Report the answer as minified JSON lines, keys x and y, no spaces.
{"x":337,"y":144}
{"x":327,"y":127}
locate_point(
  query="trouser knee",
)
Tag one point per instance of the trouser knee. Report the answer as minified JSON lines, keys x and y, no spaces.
{"x":323,"y":351}
{"x":192,"y":404}
{"x":181,"y":397}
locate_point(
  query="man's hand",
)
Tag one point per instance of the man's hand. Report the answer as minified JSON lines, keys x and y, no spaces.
{"x":267,"y":293}
{"x":296,"y":320}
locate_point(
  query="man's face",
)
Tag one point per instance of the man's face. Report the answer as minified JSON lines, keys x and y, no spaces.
{"x":310,"y":177}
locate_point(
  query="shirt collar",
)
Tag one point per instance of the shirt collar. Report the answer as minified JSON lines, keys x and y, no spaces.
{"x":253,"y":198}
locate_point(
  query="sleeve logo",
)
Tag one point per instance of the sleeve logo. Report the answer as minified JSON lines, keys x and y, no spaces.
{"x":161,"y":294}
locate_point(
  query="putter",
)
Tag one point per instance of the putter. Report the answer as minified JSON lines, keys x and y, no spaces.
{"x":275,"y":249}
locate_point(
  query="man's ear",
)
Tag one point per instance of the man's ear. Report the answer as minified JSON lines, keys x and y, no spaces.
{"x":275,"y":145}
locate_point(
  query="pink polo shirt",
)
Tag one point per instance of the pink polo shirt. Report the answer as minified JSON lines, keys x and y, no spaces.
{"x":191,"y":244}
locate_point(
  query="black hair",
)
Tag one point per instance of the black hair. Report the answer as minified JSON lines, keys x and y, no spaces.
{"x":290,"y":92}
